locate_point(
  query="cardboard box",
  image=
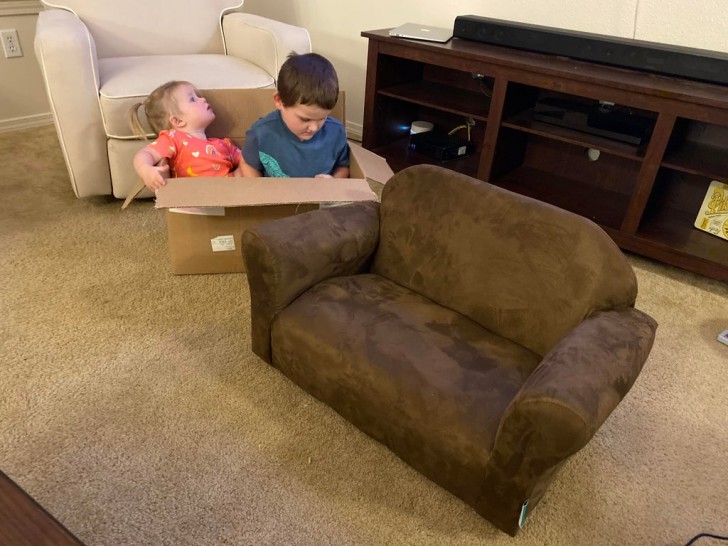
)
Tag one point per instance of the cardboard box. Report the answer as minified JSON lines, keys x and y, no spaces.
{"x":207,"y":238}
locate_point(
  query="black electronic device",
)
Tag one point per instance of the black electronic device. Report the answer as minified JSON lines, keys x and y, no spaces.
{"x":685,"y":62}
{"x":606,"y":120}
{"x":440,"y":146}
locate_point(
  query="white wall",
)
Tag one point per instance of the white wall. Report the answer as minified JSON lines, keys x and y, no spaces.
{"x":23,"y":100}
{"x":335,"y":26}
{"x":694,"y":23}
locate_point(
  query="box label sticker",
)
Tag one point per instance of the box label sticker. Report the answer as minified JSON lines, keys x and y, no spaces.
{"x":223,"y":243}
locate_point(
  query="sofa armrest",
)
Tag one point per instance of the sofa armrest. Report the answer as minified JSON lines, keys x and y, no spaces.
{"x":67,"y":56}
{"x":262,"y":41}
{"x":564,"y":402}
{"x":286,"y":257}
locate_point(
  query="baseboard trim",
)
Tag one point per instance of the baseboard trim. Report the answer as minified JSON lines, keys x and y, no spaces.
{"x":354,"y":131}
{"x":27,"y":122}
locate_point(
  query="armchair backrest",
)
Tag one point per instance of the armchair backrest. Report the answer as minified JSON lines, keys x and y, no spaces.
{"x":125,"y":28}
{"x":519,"y":267}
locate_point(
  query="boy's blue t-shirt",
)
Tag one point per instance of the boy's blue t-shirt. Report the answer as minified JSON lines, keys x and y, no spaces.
{"x":272,"y":149}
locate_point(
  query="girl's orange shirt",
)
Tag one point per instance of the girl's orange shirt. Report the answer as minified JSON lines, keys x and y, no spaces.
{"x":192,"y":156}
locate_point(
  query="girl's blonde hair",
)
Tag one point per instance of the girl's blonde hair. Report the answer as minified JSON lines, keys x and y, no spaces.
{"x":158,"y":107}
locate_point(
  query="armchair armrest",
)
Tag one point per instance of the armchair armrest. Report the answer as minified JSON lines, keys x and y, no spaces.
{"x":66,"y":53}
{"x":286,"y":257}
{"x":564,"y":402}
{"x":262,"y":41}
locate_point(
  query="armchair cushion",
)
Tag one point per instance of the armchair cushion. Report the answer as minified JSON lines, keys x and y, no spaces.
{"x":144,"y":27}
{"x":128,"y":80}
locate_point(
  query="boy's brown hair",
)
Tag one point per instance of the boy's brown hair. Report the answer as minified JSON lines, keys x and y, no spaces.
{"x":308,"y":79}
{"x":158,"y":107}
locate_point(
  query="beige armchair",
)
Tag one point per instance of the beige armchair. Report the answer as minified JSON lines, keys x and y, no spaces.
{"x":99,"y":57}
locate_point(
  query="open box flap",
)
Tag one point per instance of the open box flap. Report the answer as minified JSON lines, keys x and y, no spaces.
{"x":366,"y":164}
{"x":237,"y":192}
{"x":240,"y":192}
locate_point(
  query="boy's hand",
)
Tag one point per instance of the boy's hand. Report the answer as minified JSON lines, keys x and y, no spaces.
{"x":323,"y":176}
{"x":153,"y":176}
{"x":341,"y":172}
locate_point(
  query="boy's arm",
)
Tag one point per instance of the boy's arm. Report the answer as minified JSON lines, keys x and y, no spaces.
{"x":145,"y":164}
{"x":342,"y":161}
{"x":341,"y":172}
{"x":250,"y":154}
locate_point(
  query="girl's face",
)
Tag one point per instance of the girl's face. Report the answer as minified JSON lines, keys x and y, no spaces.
{"x":192,"y":109}
{"x":303,"y":120}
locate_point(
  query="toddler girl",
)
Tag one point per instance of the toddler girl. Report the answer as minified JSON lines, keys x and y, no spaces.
{"x":179,"y":116}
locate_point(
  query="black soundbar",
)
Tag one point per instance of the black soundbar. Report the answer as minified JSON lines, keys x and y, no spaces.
{"x":685,"y":62}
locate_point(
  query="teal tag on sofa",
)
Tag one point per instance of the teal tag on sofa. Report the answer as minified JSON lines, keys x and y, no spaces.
{"x":522,"y":517}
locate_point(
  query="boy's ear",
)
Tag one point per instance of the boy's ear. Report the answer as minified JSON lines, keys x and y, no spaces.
{"x":278,"y":102}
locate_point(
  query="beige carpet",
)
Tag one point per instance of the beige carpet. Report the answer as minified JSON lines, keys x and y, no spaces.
{"x":132,"y":408}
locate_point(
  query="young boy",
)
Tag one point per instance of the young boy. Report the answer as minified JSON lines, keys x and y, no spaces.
{"x":298,"y":139}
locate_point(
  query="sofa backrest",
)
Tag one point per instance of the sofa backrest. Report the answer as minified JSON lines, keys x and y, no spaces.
{"x":519,"y":267}
{"x":125,"y":28}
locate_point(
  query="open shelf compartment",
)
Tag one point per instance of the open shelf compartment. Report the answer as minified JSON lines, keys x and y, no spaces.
{"x":669,"y":219}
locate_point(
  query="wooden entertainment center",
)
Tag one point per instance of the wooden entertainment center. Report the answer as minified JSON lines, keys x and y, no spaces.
{"x":645,"y":195}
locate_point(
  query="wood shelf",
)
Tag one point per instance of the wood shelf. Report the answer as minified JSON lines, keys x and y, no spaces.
{"x":525,"y":122}
{"x":703,"y":160}
{"x":399,"y":157}
{"x":600,"y":205}
{"x":645,"y":197}
{"x":442,"y":97}
{"x":675,"y":229}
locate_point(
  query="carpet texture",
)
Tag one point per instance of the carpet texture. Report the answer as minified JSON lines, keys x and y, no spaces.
{"x":132,"y":408}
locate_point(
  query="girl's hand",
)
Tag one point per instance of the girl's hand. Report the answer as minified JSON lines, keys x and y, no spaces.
{"x":151,"y":167}
{"x":154,"y":176}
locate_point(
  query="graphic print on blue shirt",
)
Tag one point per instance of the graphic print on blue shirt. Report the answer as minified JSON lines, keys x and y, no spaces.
{"x":272,"y":149}
{"x":271,"y":166}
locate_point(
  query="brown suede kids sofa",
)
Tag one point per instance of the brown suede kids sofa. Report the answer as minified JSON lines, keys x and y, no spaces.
{"x":481,"y":335}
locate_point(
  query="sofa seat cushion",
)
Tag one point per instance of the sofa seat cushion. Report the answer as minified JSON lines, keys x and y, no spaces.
{"x":426,"y":381}
{"x":125,"y":81}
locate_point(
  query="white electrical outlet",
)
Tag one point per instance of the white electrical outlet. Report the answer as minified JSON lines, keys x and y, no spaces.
{"x":11,"y":44}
